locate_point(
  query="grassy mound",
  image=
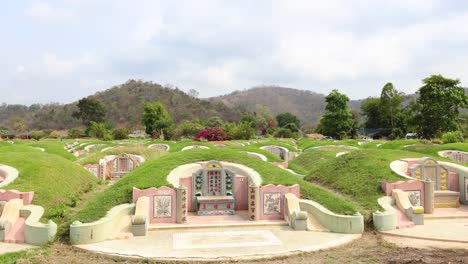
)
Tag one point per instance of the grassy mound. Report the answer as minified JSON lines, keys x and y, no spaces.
{"x":145,"y":152}
{"x":154,"y":173}
{"x":356,"y":175}
{"x":54,"y":179}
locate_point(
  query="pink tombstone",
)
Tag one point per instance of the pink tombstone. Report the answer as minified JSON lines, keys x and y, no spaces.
{"x":453,"y":180}
{"x":162,"y":203}
{"x":241,"y":192}
{"x":415,"y":187}
{"x":7,"y":195}
{"x":187,"y":183}
{"x":272,"y":200}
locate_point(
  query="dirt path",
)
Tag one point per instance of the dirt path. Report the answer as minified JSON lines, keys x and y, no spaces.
{"x":371,"y":248}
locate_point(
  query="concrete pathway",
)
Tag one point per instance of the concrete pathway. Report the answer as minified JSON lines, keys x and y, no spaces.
{"x":10,"y":247}
{"x":450,"y":230}
{"x":221,"y":243}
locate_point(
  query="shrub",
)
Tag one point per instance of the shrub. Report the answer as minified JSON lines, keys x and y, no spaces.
{"x":37,"y":135}
{"x":243,"y":131}
{"x":188,"y":129}
{"x":120,"y":133}
{"x":59,"y":209}
{"x":73,"y":200}
{"x":74,"y":133}
{"x":452,"y":137}
{"x":283,"y":133}
{"x":212,"y":134}
{"x":55,"y":134}
{"x":99,"y":130}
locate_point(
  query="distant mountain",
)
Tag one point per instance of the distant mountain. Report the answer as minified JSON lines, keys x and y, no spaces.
{"x":308,"y":106}
{"x":124,"y":104}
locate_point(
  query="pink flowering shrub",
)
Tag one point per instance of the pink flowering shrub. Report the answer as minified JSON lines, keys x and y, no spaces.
{"x":212,"y":134}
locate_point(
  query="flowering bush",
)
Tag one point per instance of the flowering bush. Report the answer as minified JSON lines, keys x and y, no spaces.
{"x":212,"y":134}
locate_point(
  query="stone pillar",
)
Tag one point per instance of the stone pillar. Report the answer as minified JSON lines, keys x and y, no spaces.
{"x":254,"y":200}
{"x":181,"y":205}
{"x":428,"y":197}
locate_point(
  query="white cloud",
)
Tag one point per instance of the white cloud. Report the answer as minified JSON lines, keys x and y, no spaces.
{"x":45,"y":12}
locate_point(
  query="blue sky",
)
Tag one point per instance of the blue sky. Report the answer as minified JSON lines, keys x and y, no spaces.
{"x":60,"y":51}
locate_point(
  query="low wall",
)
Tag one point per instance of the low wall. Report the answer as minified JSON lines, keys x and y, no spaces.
{"x":37,"y":233}
{"x":7,"y":195}
{"x":386,"y":220}
{"x":272,"y":200}
{"x":9,"y":174}
{"x":348,"y":224}
{"x":414,"y":186}
{"x":101,"y":229}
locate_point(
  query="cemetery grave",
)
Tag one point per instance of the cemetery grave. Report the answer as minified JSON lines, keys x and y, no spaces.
{"x":161,"y":193}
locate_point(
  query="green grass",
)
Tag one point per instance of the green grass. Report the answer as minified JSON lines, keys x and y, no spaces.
{"x":148,"y":154}
{"x":53,"y":146}
{"x":356,"y":175}
{"x":12,"y":258}
{"x":432,"y":150}
{"x":51,"y":177}
{"x":309,"y":143}
{"x":154,"y":173}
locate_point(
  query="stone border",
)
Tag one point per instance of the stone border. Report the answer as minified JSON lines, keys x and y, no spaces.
{"x":10,"y":174}
{"x":256,"y":155}
{"x":395,"y":166}
{"x":100,"y":230}
{"x":194,"y":147}
{"x":187,"y":170}
{"x":387,"y":220}
{"x":160,"y":144}
{"x":37,"y":233}
{"x":347,"y":224}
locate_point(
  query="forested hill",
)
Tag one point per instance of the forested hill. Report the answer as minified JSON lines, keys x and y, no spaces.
{"x":124,"y":104}
{"x":306,"y":105}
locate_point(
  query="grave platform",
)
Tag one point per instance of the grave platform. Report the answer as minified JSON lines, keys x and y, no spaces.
{"x":239,"y":219}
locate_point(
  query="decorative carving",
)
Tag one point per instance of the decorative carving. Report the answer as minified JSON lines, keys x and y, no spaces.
{"x":272,"y":203}
{"x":414,"y":197}
{"x":162,"y":206}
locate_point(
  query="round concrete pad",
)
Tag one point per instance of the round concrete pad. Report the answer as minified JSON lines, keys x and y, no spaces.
{"x":450,"y":230}
{"x":221,"y":243}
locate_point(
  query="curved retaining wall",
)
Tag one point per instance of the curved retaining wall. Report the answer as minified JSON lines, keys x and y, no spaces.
{"x":386,"y":220}
{"x":9,"y":174}
{"x":348,"y":224}
{"x":101,"y":229}
{"x":37,"y":233}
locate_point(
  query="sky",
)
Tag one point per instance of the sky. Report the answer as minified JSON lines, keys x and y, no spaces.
{"x":60,"y":51}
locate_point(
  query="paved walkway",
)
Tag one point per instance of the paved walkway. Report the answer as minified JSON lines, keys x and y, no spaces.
{"x":451,"y":230}
{"x":221,"y":243}
{"x":10,"y":247}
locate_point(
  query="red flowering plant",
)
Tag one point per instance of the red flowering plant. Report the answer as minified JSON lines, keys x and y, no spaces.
{"x":212,"y":134}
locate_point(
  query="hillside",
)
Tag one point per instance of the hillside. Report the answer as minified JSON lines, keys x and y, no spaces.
{"x":306,"y":105}
{"x":124,"y":104}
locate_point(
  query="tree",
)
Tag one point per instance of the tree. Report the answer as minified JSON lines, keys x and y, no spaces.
{"x":390,"y":104}
{"x":99,"y":130}
{"x":287,"y":118}
{"x":90,"y":110}
{"x":439,"y":101}
{"x":338,"y":120}
{"x":214,"y":121}
{"x":156,"y":119}
{"x":193,"y":93}
{"x":371,"y":108}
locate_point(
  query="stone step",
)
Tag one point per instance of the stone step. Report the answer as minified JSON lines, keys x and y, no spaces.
{"x":216,"y":225}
